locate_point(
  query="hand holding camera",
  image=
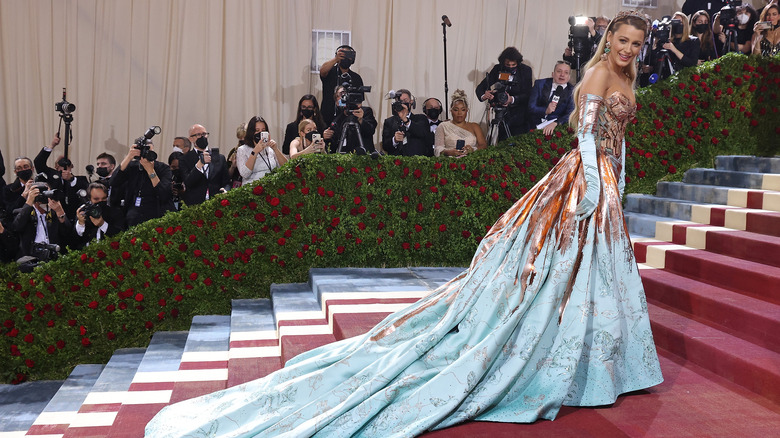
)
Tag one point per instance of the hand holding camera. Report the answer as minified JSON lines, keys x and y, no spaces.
{"x":262,"y":140}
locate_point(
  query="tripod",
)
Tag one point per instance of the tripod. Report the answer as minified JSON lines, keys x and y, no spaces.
{"x":68,"y":119}
{"x":351,"y":125}
{"x":731,"y":39}
{"x":498,"y":120}
{"x":661,"y":64}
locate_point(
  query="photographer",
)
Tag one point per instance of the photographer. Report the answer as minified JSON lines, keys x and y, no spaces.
{"x":259,"y":154}
{"x":41,"y":223}
{"x":68,"y":183}
{"x":507,"y":88}
{"x":308,"y":108}
{"x":580,"y":41}
{"x":146,"y":184}
{"x":204,"y":169}
{"x":551,"y":100}
{"x":766,"y":41}
{"x":95,"y":218}
{"x":690,"y":7}
{"x":333,"y":73}
{"x":352,"y":117}
{"x":702,"y":30}
{"x":735,"y":22}
{"x":9,"y":243}
{"x":673,"y":48}
{"x":177,"y":179}
{"x":405,"y":133}
{"x":12,"y":193}
{"x":306,"y":143}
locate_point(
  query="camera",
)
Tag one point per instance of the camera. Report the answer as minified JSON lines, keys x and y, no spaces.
{"x":352,"y":96}
{"x":45,"y":251}
{"x":666,"y":28}
{"x":45,"y":193}
{"x":506,"y":81}
{"x":728,"y":14}
{"x":92,"y":210}
{"x":64,"y":106}
{"x":144,"y":142}
{"x":579,"y":37}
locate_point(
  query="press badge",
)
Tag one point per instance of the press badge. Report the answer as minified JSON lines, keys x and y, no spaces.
{"x":138,"y":201}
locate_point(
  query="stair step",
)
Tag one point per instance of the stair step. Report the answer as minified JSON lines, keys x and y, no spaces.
{"x":254,"y":343}
{"x":205,"y":353}
{"x":644,"y":225}
{"x":753,"y":220}
{"x":62,"y":411}
{"x":748,"y":163}
{"x":21,"y":404}
{"x":735,"y":359}
{"x":746,"y":277}
{"x":744,"y":245}
{"x":153,"y":383}
{"x":725,"y":178}
{"x":653,"y":205}
{"x":702,"y":193}
{"x":749,"y":318}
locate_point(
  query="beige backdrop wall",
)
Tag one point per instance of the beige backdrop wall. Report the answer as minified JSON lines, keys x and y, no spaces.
{"x":130,"y":64}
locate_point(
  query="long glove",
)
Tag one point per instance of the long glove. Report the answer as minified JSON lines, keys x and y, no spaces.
{"x":622,"y":181}
{"x":588,"y":124}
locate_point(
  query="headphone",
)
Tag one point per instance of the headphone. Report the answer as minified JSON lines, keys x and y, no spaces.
{"x":437,"y":100}
{"x":344,"y":46}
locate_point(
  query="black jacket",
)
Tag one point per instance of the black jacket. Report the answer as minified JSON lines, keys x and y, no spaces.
{"x":113,"y":217}
{"x":70,"y":199}
{"x":196,"y":183}
{"x":138,"y":189}
{"x":520,"y":90}
{"x":690,"y":50}
{"x":419,"y":138}
{"x":25,"y":224}
{"x":367,"y":129}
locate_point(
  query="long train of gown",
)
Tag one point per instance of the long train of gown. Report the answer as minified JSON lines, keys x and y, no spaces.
{"x":550,"y":312}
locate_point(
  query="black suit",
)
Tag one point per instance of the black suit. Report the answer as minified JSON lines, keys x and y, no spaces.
{"x":138,"y":189}
{"x":70,"y":198}
{"x":196,"y":183}
{"x":12,"y":196}
{"x":367,"y":129}
{"x":541,"y":97}
{"x":520,"y":90}
{"x":25,"y":224}
{"x":112,"y":216}
{"x":417,"y":137}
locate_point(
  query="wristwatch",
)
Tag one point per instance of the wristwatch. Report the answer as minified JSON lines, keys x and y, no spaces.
{"x":252,"y":153}
{"x":152,"y":175}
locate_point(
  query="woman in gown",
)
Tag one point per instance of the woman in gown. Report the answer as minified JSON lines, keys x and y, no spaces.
{"x":448,"y":133}
{"x":550,"y":312}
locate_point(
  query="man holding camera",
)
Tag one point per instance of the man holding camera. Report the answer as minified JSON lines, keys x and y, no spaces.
{"x":95,"y":218}
{"x":507,"y":88}
{"x":353,"y":128}
{"x":41,"y":224}
{"x":334,"y":73}
{"x":12,"y":193}
{"x":551,"y":100}
{"x":204,"y":171}
{"x":405,"y":133}
{"x":146,"y":184}
{"x":672,"y":49}
{"x":69,"y":183}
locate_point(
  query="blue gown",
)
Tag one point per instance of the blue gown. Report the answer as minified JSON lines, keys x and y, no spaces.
{"x":550,"y":312}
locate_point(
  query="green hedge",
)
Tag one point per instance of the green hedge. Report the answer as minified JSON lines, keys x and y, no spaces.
{"x":330,"y":211}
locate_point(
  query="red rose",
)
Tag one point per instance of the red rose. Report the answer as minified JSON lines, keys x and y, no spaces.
{"x":258,"y":190}
{"x":29,"y":338}
{"x":442,"y":228}
{"x":218,"y":213}
{"x":466,"y":234}
{"x":340,"y":249}
{"x":281,"y":241}
{"x":111,"y":336}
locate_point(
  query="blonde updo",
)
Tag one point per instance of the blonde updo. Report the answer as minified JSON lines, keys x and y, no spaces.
{"x":459,"y":96}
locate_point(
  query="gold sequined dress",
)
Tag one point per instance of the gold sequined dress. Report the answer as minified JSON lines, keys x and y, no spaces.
{"x":550,"y":312}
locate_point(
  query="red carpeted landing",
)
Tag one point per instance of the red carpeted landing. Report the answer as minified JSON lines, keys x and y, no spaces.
{"x":691,"y":402}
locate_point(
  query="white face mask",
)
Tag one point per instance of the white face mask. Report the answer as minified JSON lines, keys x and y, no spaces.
{"x":743,"y":18}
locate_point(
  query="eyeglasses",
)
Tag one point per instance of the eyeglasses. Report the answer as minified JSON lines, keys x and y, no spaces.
{"x":200,"y":134}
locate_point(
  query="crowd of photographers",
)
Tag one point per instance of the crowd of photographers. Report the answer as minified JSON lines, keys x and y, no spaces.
{"x":45,"y":210}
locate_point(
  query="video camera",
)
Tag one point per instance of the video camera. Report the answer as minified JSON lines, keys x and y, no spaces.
{"x":353,"y":96}
{"x":579,"y":36}
{"x":90,"y":209}
{"x":728,"y":14}
{"x":144,"y":142}
{"x":45,"y":192}
{"x":64,"y":107}
{"x":666,"y":28}
{"x":44,"y":251}
{"x":501,"y":88}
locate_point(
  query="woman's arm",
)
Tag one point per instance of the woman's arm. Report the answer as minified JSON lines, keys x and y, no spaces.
{"x":477,"y":131}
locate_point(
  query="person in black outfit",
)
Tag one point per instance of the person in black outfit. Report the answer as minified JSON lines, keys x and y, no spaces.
{"x":517,"y":91}
{"x":543,"y":106}
{"x":68,"y":183}
{"x":12,"y":192}
{"x":334,"y":73}
{"x":98,"y":220}
{"x":363,"y":115}
{"x":701,"y":29}
{"x":308,"y":108}
{"x":9,"y":243}
{"x":56,"y":230}
{"x":2,"y":170}
{"x":405,"y":133}
{"x":205,"y":171}
{"x":683,"y":50}
{"x":746,"y":18}
{"x":690,"y":7}
{"x":432,"y":111}
{"x":146,"y":187}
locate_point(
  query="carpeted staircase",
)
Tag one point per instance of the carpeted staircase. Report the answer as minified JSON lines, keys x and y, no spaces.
{"x":709,"y":253}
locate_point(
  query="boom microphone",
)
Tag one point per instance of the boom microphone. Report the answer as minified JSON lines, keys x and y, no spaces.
{"x":446,"y":20}
{"x":391,"y":95}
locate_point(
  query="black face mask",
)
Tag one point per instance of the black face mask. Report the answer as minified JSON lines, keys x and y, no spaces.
{"x":25,"y":174}
{"x":433,"y":113}
{"x":345,"y":63}
{"x":701,"y":28}
{"x":103,"y":205}
{"x":310,"y":134}
{"x":512,"y":70}
{"x":307,"y":113}
{"x":102,"y":172}
{"x":202,"y":142}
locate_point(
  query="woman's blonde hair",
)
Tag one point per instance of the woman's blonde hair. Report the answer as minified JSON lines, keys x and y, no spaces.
{"x":305,"y":122}
{"x":459,"y":96}
{"x":632,"y":19}
{"x":686,"y":35}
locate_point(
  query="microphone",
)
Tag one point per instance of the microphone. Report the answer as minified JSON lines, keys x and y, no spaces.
{"x":391,"y":95}
{"x":655,"y":24}
{"x":446,"y":20}
{"x":90,"y":169}
{"x":557,"y":94}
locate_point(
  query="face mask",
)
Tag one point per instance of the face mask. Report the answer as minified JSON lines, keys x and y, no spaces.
{"x":202,"y":142}
{"x":25,"y":174}
{"x":307,"y":113}
{"x":345,"y":63}
{"x":102,"y":172}
{"x":512,"y":70}
{"x":310,"y":134}
{"x":176,"y":174}
{"x":743,"y":18}
{"x":701,"y":28}
{"x":433,"y":113}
